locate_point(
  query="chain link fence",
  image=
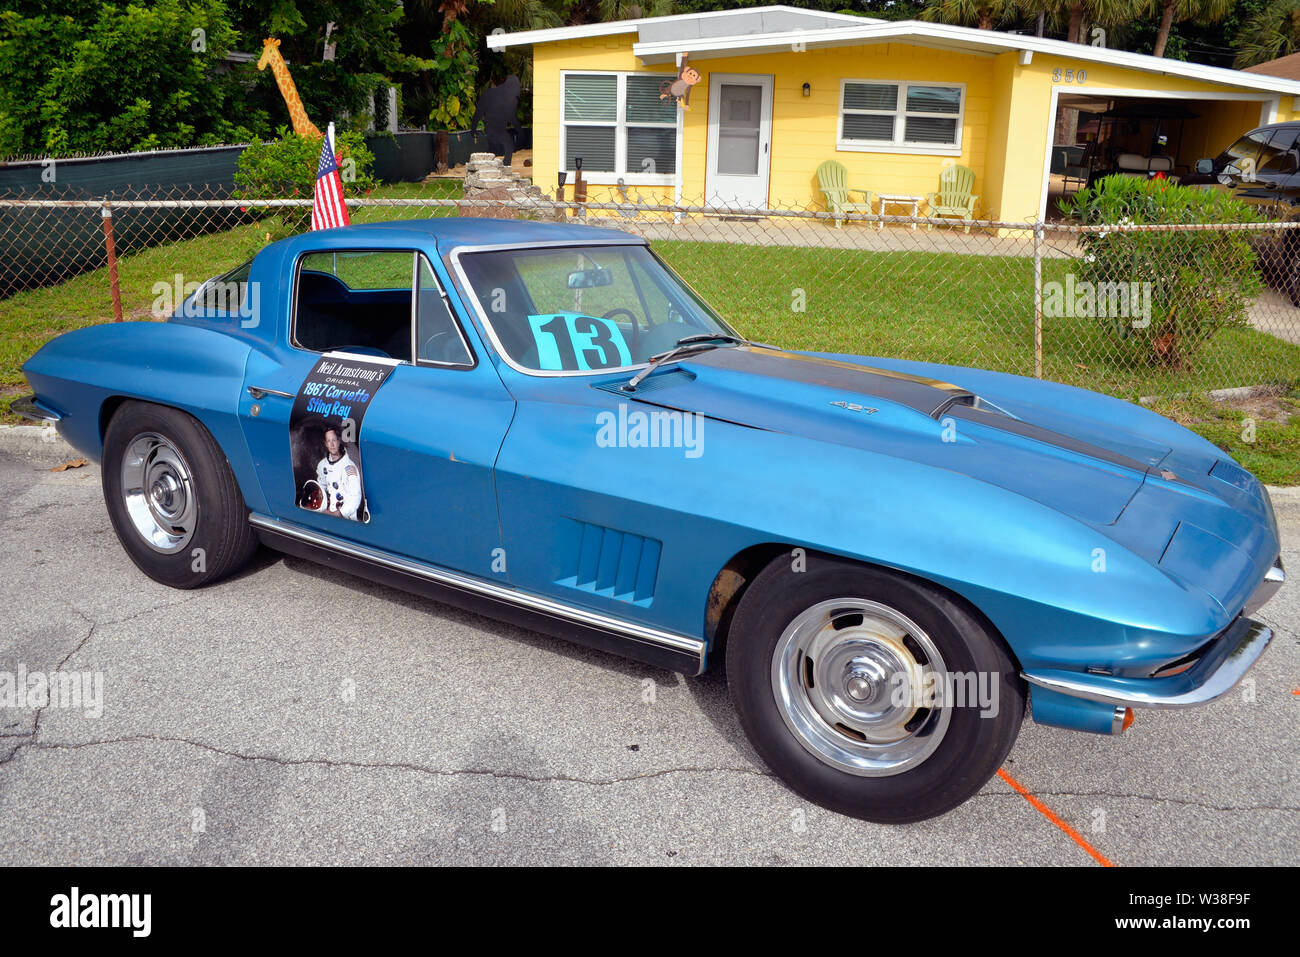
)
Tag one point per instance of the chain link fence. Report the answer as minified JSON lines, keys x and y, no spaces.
{"x":1130,"y":310}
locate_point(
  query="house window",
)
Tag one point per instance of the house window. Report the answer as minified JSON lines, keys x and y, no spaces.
{"x":899,"y":117}
{"x":617,"y":125}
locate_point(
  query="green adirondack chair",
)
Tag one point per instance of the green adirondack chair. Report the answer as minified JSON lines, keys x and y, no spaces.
{"x":832,"y":177}
{"x":954,"y":197}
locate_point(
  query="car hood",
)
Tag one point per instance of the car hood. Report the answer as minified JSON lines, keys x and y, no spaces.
{"x":1080,"y":467}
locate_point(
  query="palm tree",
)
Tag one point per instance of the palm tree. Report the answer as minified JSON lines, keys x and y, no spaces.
{"x":1072,"y":14}
{"x":633,"y":9}
{"x":1271,"y":33}
{"x":985,"y":14}
{"x":1203,"y":11}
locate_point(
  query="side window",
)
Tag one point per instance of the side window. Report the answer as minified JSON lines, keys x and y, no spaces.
{"x":229,"y":293}
{"x":355,"y":301}
{"x":438,"y":336}
{"x":1245,"y":150}
{"x":1279,"y":156}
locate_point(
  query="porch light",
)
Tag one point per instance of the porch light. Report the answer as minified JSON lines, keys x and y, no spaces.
{"x":807,"y":89}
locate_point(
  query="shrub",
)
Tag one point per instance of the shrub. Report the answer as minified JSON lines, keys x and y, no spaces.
{"x":286,"y":169}
{"x":1191,"y":284}
{"x":118,"y":76}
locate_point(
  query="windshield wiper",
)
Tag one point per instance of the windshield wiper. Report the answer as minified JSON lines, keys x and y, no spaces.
{"x":689,"y":345}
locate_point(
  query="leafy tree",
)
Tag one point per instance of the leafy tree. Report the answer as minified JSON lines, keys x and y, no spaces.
{"x":985,"y":14}
{"x":118,"y":78}
{"x":1203,"y":11}
{"x":1071,"y":15}
{"x":1271,"y":33}
{"x":368,"y":54}
{"x":455,"y":67}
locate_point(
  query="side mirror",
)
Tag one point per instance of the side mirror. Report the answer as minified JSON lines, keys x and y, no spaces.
{"x":590,"y":278}
{"x":1205,"y":166}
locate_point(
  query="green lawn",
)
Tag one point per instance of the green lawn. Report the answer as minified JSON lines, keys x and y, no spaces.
{"x":951,"y":308}
{"x":31,"y":318}
{"x":1263,"y":435}
{"x":940,"y":307}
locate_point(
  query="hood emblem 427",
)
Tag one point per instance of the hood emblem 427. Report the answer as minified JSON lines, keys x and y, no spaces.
{"x":856,"y":407}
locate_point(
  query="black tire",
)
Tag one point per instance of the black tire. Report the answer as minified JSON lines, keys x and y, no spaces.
{"x":218,"y":539}
{"x":969,"y":750}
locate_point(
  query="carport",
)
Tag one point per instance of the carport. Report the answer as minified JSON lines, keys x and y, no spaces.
{"x":1107,"y":132}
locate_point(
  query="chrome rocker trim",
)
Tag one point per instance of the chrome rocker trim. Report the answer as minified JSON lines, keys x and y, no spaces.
{"x":1218,"y":671}
{"x":651,"y":645}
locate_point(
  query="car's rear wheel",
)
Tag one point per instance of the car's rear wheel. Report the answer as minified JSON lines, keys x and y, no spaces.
{"x":172,"y":497}
{"x":871,"y":693}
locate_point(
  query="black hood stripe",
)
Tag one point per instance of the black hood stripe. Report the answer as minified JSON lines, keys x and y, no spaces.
{"x":926,"y":396}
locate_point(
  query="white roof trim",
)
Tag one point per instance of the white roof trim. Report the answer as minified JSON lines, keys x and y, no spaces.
{"x":499,"y":41}
{"x":967,"y":37}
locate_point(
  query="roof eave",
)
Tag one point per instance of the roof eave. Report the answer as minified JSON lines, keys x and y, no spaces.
{"x":978,"y":41}
{"x":500,"y":41}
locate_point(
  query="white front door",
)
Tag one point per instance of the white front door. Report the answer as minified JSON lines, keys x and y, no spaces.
{"x":740,"y":140}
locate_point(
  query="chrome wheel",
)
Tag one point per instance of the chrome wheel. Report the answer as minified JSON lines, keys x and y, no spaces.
{"x":859,"y":683}
{"x":158,"y":492}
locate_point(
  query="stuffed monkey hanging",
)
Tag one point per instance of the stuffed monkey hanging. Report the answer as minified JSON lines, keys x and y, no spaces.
{"x":680,"y":88}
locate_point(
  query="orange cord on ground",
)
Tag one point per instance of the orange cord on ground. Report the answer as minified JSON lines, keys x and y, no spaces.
{"x":1047,"y":812}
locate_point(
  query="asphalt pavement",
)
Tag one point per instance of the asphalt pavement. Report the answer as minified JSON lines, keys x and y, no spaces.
{"x":293,"y":715}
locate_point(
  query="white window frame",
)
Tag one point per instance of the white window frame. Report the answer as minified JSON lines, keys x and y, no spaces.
{"x":900,"y":114}
{"x":620,"y":125}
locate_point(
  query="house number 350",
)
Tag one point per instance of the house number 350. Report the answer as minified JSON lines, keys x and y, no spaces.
{"x":1069,"y":76}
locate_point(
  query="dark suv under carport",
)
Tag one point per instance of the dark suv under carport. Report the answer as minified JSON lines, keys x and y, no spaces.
{"x":1262,"y":168}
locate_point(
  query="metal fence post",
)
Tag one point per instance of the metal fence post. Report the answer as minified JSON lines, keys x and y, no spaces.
{"x":107,"y":214}
{"x":1038,"y":299}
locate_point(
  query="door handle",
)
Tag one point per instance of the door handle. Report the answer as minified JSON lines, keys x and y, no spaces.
{"x":257,"y":392}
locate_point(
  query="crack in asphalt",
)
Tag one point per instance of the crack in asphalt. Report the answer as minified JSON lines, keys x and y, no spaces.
{"x":36,"y":722}
{"x":162,"y":606}
{"x":572,"y":779}
{"x":1148,"y":797}
{"x":383,"y":765}
{"x":44,"y":507}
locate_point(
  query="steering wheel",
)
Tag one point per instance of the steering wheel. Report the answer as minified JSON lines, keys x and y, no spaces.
{"x":636,"y":326}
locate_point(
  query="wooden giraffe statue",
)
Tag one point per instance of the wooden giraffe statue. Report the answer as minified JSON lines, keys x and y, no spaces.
{"x":271,"y":54}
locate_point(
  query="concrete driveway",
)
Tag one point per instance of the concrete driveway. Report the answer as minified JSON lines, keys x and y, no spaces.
{"x":294,"y":715}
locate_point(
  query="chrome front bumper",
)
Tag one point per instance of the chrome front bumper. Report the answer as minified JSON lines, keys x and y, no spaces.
{"x":1273,"y":580}
{"x":1224,"y":663}
{"x":27,"y":407}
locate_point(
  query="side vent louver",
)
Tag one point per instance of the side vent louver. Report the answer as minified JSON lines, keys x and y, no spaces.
{"x":615,"y":564}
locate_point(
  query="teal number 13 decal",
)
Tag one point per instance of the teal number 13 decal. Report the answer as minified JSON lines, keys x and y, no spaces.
{"x":572,"y":341}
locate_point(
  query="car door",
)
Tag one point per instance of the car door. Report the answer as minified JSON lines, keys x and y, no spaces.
{"x":1272,"y":190}
{"x":591,"y":514}
{"x":424,"y":449}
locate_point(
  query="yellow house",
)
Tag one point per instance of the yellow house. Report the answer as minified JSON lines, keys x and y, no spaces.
{"x":780,"y":90}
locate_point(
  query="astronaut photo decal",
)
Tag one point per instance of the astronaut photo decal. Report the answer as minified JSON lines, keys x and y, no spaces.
{"x":325,"y":434}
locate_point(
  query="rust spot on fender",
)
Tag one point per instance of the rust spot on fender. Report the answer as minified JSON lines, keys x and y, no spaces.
{"x":724,"y":589}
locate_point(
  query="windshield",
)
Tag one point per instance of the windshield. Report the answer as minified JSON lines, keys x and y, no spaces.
{"x":584,"y":308}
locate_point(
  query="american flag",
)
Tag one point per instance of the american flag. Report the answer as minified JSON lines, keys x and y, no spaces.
{"x":327,"y":208}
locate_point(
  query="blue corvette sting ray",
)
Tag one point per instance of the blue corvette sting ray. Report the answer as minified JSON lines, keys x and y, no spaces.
{"x":544,"y":423}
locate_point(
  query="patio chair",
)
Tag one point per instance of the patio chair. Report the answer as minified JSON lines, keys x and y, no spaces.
{"x":954,"y":197}
{"x":832,"y":177}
